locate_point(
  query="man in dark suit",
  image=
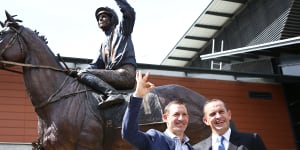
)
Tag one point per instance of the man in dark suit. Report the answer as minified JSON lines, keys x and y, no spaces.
{"x":175,"y":116}
{"x":218,"y":116}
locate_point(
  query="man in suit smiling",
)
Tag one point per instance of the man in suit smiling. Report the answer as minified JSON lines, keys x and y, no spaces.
{"x":218,"y":116}
{"x":175,"y":116}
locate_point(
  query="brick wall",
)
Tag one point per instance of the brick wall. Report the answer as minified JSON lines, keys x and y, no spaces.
{"x":17,"y":117}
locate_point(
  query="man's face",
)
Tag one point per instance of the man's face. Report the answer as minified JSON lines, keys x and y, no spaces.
{"x":104,"y":21}
{"x":177,"y":119}
{"x":217,"y":117}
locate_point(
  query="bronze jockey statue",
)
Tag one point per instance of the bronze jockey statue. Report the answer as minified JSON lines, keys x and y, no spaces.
{"x":115,"y":67}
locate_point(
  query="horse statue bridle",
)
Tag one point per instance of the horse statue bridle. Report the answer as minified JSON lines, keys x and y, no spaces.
{"x":17,"y":37}
{"x":10,"y":43}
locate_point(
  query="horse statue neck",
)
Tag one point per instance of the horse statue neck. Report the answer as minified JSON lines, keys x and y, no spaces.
{"x":40,"y":81}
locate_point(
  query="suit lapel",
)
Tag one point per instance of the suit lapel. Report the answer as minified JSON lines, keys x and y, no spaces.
{"x":168,"y":140}
{"x":232,"y":146}
{"x":207,"y":145}
{"x":235,"y":138}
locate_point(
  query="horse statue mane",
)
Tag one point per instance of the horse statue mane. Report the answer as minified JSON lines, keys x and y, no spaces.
{"x":68,"y":117}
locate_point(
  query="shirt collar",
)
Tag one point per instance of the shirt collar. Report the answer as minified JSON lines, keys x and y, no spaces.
{"x":172,"y":136}
{"x":226,"y":135}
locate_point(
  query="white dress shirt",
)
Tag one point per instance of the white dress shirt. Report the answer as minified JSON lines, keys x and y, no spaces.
{"x":215,"y":142}
{"x":183,"y":144}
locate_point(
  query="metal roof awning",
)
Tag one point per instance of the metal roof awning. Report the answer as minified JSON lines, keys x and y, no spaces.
{"x":214,"y":18}
{"x":246,"y":50}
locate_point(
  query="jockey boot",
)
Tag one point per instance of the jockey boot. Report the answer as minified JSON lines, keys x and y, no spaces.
{"x":111,"y":95}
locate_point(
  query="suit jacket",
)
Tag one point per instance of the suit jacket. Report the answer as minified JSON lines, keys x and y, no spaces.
{"x":238,"y":141}
{"x":149,"y":140}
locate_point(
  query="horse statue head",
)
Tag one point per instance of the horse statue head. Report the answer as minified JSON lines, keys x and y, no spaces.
{"x":14,"y":29}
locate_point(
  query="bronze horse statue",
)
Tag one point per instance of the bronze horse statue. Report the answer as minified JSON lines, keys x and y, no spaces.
{"x":68,"y":117}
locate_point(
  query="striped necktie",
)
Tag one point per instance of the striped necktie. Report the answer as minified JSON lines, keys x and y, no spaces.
{"x":221,"y":145}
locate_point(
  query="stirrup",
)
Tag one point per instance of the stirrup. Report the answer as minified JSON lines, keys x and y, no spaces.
{"x":111,"y":101}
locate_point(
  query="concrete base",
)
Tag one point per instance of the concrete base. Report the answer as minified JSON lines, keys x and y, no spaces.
{"x":15,"y":146}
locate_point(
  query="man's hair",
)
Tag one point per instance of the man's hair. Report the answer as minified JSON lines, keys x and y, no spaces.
{"x":214,"y":100}
{"x":179,"y":102}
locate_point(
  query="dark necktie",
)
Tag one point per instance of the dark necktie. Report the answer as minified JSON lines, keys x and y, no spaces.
{"x":221,"y":146}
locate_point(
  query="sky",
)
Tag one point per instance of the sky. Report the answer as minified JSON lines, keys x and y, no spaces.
{"x":72,"y":31}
